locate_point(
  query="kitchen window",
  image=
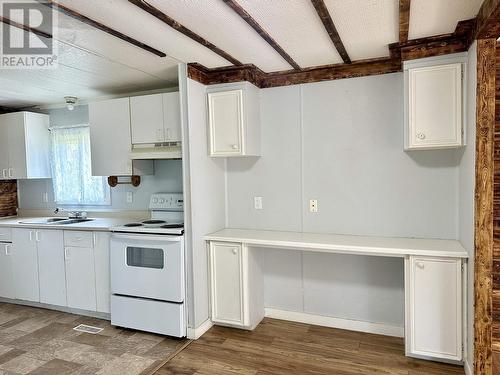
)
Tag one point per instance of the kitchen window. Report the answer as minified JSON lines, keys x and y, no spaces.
{"x":72,"y":178}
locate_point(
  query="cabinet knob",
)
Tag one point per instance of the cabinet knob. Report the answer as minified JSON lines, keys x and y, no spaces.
{"x":420,"y":265}
{"x":235,"y":251}
{"x":420,"y":135}
{"x":234,"y":147}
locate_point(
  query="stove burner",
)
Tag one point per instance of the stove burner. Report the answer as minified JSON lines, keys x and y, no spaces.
{"x":133,"y":225}
{"x":172,"y":226}
{"x":154,"y":222}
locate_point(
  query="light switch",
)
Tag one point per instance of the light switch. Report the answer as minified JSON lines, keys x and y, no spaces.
{"x":257,"y":203}
{"x":313,"y":205}
{"x":130,"y":197}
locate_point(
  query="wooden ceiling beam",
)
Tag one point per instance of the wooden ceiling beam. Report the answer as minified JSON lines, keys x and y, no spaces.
{"x":404,"y":20}
{"x":80,"y":17}
{"x":458,"y":41}
{"x":261,"y":79}
{"x":184,"y":30}
{"x":238,"y":9}
{"x":35,"y":31}
{"x":327,"y":21}
{"x":488,"y":20}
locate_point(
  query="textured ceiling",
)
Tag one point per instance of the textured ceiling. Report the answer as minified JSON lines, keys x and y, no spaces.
{"x":93,"y":63}
{"x":434,"y":17}
{"x":366,"y":26}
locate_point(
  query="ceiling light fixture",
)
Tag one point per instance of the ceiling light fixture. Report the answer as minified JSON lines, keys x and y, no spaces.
{"x":70,"y":102}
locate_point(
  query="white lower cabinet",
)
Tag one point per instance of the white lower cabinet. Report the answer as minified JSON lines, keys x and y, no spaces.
{"x":7,"y":289}
{"x":232,"y":289}
{"x":102,"y":274}
{"x":434,"y":305}
{"x":51,"y":267}
{"x":25,"y":264}
{"x":80,"y":278}
{"x":56,"y":267}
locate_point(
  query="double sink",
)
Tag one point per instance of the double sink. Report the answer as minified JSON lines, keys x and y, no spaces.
{"x":55,"y":221}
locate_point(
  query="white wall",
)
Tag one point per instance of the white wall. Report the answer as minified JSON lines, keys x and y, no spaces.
{"x":205,"y":181}
{"x":341,"y":142}
{"x":167,"y":177}
{"x":466,"y":198}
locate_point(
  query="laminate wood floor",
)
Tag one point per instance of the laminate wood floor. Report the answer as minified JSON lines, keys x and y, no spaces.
{"x":278,"y":347}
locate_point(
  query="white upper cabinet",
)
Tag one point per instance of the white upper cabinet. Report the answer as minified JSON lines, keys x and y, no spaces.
{"x":434,"y":106}
{"x":234,"y":120}
{"x":110,"y":138}
{"x":172,"y":116}
{"x":146,"y":117}
{"x":24,"y":146}
{"x":155,"y":118}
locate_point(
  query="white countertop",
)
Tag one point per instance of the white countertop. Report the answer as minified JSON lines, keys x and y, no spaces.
{"x":347,"y":244}
{"x":97,"y":224}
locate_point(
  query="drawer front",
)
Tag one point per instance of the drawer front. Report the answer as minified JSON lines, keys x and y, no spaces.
{"x":164,"y":318}
{"x":78,"y":239}
{"x":5,"y":234}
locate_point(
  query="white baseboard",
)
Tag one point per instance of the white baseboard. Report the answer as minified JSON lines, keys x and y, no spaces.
{"x":468,"y":367}
{"x":327,"y":321}
{"x":196,"y":333}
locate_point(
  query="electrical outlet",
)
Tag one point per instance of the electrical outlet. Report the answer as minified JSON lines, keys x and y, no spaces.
{"x":313,"y":205}
{"x":130,"y":197}
{"x":257,"y":203}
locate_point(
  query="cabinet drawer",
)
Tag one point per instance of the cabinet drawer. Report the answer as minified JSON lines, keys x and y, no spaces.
{"x":78,"y":239}
{"x":5,"y":234}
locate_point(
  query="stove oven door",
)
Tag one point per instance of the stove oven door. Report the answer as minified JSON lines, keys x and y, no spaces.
{"x":147,"y":266}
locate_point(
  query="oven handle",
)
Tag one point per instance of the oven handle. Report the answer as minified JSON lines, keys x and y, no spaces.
{"x":147,"y":237}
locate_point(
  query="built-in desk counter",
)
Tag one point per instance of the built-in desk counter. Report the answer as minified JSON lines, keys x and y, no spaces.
{"x":335,"y":243}
{"x":435,"y":272}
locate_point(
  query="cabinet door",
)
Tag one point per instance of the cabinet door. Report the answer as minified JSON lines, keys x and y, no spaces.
{"x":226,"y":263}
{"x":102,"y":275}
{"x":17,"y":145}
{"x":435,"y":106}
{"x":225,"y":116}
{"x":6,"y":277}
{"x":110,"y":140}
{"x":172,"y":117}
{"x":51,"y":267}
{"x":4,"y":149}
{"x":80,"y":278}
{"x":37,"y":141}
{"x":434,"y":308}
{"x":146,"y":118}
{"x":25,"y":264}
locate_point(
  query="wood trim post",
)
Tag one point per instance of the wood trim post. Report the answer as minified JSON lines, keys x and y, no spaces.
{"x":485,"y":125}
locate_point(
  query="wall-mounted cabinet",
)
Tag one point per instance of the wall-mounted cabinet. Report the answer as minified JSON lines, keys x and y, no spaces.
{"x":155,"y":118}
{"x":434,"y":108}
{"x":110,"y":140}
{"x":234,"y":120}
{"x":24,"y":146}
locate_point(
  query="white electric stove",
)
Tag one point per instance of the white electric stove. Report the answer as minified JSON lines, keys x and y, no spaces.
{"x":167,"y":216}
{"x":147,"y":263}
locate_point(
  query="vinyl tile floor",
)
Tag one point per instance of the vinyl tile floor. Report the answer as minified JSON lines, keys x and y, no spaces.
{"x":43,"y":342}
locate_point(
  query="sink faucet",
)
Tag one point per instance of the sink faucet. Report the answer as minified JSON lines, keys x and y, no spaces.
{"x":72,"y":214}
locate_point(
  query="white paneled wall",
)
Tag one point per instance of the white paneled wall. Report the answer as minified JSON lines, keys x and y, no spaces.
{"x":466,"y":198}
{"x":341,"y":142}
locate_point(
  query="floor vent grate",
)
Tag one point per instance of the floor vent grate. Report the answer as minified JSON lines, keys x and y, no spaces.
{"x":88,"y":329}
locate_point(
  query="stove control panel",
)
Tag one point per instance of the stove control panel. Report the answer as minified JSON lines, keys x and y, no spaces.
{"x":167,"y":201}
